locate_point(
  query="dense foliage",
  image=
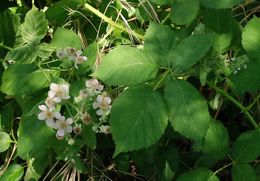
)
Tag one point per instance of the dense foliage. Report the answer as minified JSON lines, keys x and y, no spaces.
{"x":130,"y":90}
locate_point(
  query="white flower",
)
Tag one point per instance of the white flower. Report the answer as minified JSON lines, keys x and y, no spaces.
{"x":63,"y":126}
{"x":93,"y":87}
{"x":50,"y":103}
{"x":102,"y":103}
{"x":48,"y":115}
{"x":58,"y":92}
{"x":61,"y":54}
{"x":95,"y":128}
{"x":80,"y":59}
{"x":104,"y":129}
{"x":81,"y":97}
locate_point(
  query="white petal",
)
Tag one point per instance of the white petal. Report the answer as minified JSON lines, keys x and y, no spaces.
{"x":107,"y":99}
{"x":53,"y":86}
{"x":62,"y":118}
{"x":57,"y":115}
{"x":57,"y":99}
{"x":42,"y":116}
{"x":60,"y":132}
{"x":95,"y":105}
{"x":100,"y":98}
{"x":69,"y":129}
{"x":42,"y":107}
{"x":50,"y":123}
{"x":100,"y":112}
{"x":69,"y":121}
{"x":51,"y":94}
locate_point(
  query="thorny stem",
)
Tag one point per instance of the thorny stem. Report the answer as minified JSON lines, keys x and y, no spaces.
{"x":109,"y":20}
{"x":235,"y":102}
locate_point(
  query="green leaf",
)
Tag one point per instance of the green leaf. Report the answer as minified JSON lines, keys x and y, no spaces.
{"x":89,"y":137}
{"x":219,"y":20}
{"x":58,"y":12}
{"x":216,"y":140}
{"x":31,"y":174}
{"x":21,"y":78}
{"x":243,"y":172}
{"x":247,"y":79}
{"x":23,"y":54}
{"x":34,"y":137}
{"x":64,"y":38}
{"x":200,"y":174}
{"x":9,"y":25}
{"x":13,"y":173}
{"x":44,"y":50}
{"x":251,"y":38}
{"x":220,"y":4}
{"x":138,"y":119}
{"x":162,"y":2}
{"x":247,"y":148}
{"x":159,"y":42}
{"x":126,"y":66}
{"x":34,"y":27}
{"x":5,"y":141}
{"x":188,"y":110}
{"x":190,"y":51}
{"x":184,"y":11}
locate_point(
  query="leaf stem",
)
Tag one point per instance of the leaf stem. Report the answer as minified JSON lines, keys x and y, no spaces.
{"x":4,"y":46}
{"x":109,"y":20}
{"x":253,"y":103}
{"x":164,"y":75}
{"x":235,"y":102}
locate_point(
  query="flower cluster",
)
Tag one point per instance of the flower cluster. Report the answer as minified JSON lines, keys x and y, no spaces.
{"x":54,"y":119}
{"x":73,"y":55}
{"x":101,"y":103}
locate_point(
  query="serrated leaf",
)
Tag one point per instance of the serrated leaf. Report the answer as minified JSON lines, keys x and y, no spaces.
{"x":220,"y":4}
{"x":34,"y":27}
{"x":138,"y":119}
{"x":251,"y":38}
{"x":159,"y":42}
{"x":200,"y":174}
{"x":246,"y":147}
{"x":13,"y":173}
{"x":44,"y":50}
{"x":5,"y":141}
{"x":247,"y":79}
{"x":190,"y":51}
{"x":22,"y":78}
{"x":216,"y":140}
{"x":218,"y":20}
{"x":22,"y":54}
{"x":64,"y":38}
{"x":184,"y":11}
{"x":243,"y":172}
{"x":126,"y":66}
{"x":57,"y":13}
{"x":188,"y":110}
{"x":34,"y":137}
{"x":9,"y":24}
